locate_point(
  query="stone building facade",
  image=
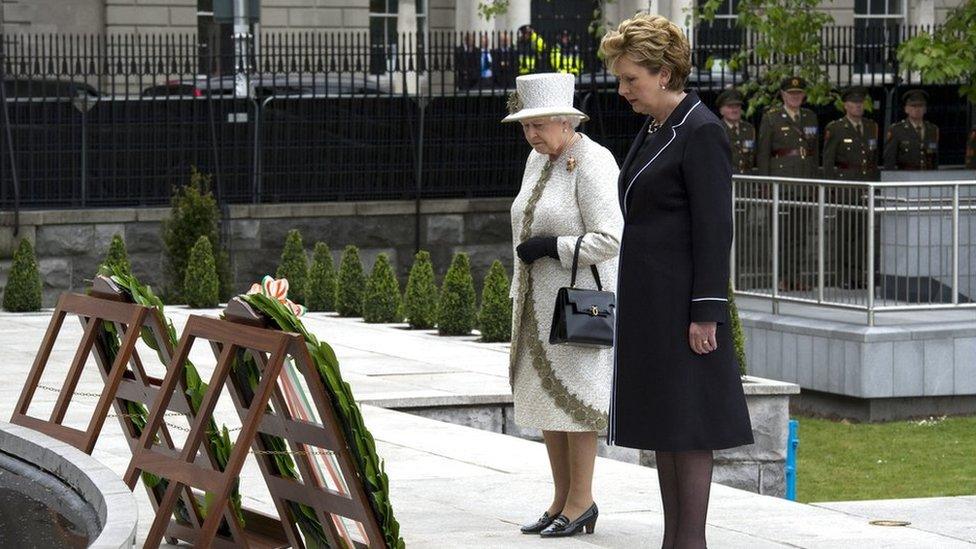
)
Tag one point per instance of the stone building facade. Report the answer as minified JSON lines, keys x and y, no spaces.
{"x":158,"y":16}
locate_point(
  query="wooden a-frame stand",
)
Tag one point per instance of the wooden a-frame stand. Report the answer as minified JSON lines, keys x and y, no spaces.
{"x":243,"y":332}
{"x":108,"y":303}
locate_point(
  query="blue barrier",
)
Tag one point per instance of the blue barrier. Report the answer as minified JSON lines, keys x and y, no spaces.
{"x":792,"y":442}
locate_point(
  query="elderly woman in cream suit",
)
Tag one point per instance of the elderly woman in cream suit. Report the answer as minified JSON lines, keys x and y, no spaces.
{"x":568,"y":190}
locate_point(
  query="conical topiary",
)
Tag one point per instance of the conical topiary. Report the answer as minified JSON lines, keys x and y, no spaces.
{"x":193,"y":213}
{"x":420,"y":299}
{"x":351,"y":283}
{"x":321,"y":291}
{"x":738,"y":337}
{"x":381,"y":303}
{"x":294,"y":266}
{"x":495,"y":317}
{"x":201,"y":285}
{"x":23,"y":291}
{"x":117,"y":258}
{"x":456,"y":306}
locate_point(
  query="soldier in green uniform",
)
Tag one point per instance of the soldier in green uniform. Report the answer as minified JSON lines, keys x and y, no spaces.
{"x":789,"y":147}
{"x":851,"y":143}
{"x":742,"y":135}
{"x":913,"y":143}
{"x":850,"y":153}
{"x":789,"y":135}
{"x":971,"y":150}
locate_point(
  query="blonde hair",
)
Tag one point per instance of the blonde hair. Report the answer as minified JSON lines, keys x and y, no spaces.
{"x":653,"y":42}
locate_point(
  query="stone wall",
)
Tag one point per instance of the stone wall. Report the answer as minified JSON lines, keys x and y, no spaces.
{"x":70,"y":244}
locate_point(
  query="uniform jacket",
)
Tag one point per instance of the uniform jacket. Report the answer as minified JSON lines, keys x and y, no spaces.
{"x":742,"y":140}
{"x":787,"y":147}
{"x":971,"y":150}
{"x":905,"y":150}
{"x":849,"y":153}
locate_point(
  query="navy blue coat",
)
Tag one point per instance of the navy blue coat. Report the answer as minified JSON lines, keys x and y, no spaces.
{"x":676,"y":198}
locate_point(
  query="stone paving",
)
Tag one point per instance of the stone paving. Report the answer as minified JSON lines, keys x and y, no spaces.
{"x":454,"y":486}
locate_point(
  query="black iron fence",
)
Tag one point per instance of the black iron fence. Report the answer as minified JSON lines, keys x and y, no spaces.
{"x":119,"y":120}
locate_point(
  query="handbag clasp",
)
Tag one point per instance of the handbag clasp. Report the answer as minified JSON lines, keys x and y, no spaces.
{"x":594,"y":311}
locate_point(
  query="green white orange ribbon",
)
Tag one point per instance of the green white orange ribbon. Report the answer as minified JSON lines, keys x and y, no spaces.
{"x":277,"y":289}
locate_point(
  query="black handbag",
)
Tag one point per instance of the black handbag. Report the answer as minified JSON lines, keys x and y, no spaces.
{"x":583,"y":317}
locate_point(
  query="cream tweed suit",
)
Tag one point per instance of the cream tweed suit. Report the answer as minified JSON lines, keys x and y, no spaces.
{"x":562,"y":387}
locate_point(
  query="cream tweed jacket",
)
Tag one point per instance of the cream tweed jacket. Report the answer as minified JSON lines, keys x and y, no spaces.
{"x":562,"y":387}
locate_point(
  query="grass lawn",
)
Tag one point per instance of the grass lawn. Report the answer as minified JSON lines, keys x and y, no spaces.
{"x":906,"y":459}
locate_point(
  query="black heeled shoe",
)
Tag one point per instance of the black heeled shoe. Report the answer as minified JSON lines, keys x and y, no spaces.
{"x":562,"y":527}
{"x":534,"y":528}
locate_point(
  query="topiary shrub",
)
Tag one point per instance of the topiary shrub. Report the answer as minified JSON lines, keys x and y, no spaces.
{"x":201,"y":285}
{"x":321,"y":291}
{"x":351,"y":283}
{"x":23,"y":291}
{"x":381,"y":303}
{"x":420,"y":299}
{"x":193,"y":213}
{"x":738,"y":337}
{"x":495,"y":317}
{"x":294,"y":266}
{"x":116,"y":258}
{"x":456,"y":306}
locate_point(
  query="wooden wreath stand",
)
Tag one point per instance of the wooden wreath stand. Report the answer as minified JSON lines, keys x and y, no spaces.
{"x":108,"y":303}
{"x":244,"y":331}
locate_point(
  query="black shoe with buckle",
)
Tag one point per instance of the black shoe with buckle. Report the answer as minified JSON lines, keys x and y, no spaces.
{"x":535,"y":527}
{"x":562,"y":527}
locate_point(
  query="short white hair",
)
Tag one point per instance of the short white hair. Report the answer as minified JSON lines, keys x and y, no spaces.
{"x":574,"y":120}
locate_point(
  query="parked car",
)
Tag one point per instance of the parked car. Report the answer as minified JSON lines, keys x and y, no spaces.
{"x":264,"y":85}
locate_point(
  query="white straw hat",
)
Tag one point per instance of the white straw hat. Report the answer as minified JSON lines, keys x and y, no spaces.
{"x":543,"y":94}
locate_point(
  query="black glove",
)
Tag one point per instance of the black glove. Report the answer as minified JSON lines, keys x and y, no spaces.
{"x":537,"y":247}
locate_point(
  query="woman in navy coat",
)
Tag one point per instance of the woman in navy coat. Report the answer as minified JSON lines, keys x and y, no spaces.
{"x":676,"y":386}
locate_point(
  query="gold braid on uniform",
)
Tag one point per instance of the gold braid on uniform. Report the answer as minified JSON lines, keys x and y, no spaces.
{"x":581,"y":412}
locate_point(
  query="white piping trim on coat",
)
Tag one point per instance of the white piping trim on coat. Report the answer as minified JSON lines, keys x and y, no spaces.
{"x":611,"y":421}
{"x":710,"y":299}
{"x":674,"y":134}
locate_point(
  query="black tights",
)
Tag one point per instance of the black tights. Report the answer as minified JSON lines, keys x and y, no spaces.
{"x":685,"y":479}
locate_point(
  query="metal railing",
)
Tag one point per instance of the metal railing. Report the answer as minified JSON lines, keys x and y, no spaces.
{"x":874,"y":247}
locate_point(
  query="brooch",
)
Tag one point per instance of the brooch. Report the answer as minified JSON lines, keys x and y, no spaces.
{"x":514,"y":104}
{"x":571,"y":164}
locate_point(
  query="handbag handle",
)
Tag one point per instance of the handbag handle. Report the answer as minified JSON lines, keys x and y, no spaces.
{"x":596,"y":273}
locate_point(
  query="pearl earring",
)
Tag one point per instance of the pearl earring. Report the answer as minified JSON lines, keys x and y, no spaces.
{"x":663,"y":87}
{"x":565,"y":130}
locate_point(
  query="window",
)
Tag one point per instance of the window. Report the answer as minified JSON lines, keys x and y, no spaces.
{"x":719,"y":39}
{"x":383,"y":36}
{"x":876,"y":25}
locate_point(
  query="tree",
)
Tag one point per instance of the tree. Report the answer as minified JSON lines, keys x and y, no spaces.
{"x":381,"y":303}
{"x":117,"y":258}
{"x":193,"y":213}
{"x":201,"y":285}
{"x":23,"y":291}
{"x":456,"y":306}
{"x":420,"y":299}
{"x":495,"y":317}
{"x":294,"y":266}
{"x":786,"y":41}
{"x":321,"y":279}
{"x":351,"y":283}
{"x":947,"y":55}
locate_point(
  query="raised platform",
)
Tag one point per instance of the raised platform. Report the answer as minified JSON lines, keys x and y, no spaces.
{"x":913,"y":364}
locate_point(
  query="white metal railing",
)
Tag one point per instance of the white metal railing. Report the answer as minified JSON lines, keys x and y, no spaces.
{"x":869,"y":246}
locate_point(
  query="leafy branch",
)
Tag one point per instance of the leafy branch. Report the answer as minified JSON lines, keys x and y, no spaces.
{"x":785,"y":41}
{"x":949,"y":54}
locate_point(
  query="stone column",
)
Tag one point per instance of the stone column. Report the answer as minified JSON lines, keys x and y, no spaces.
{"x":407,"y":31}
{"x":467,"y":18}
{"x":921,"y":12}
{"x":519,"y":13}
